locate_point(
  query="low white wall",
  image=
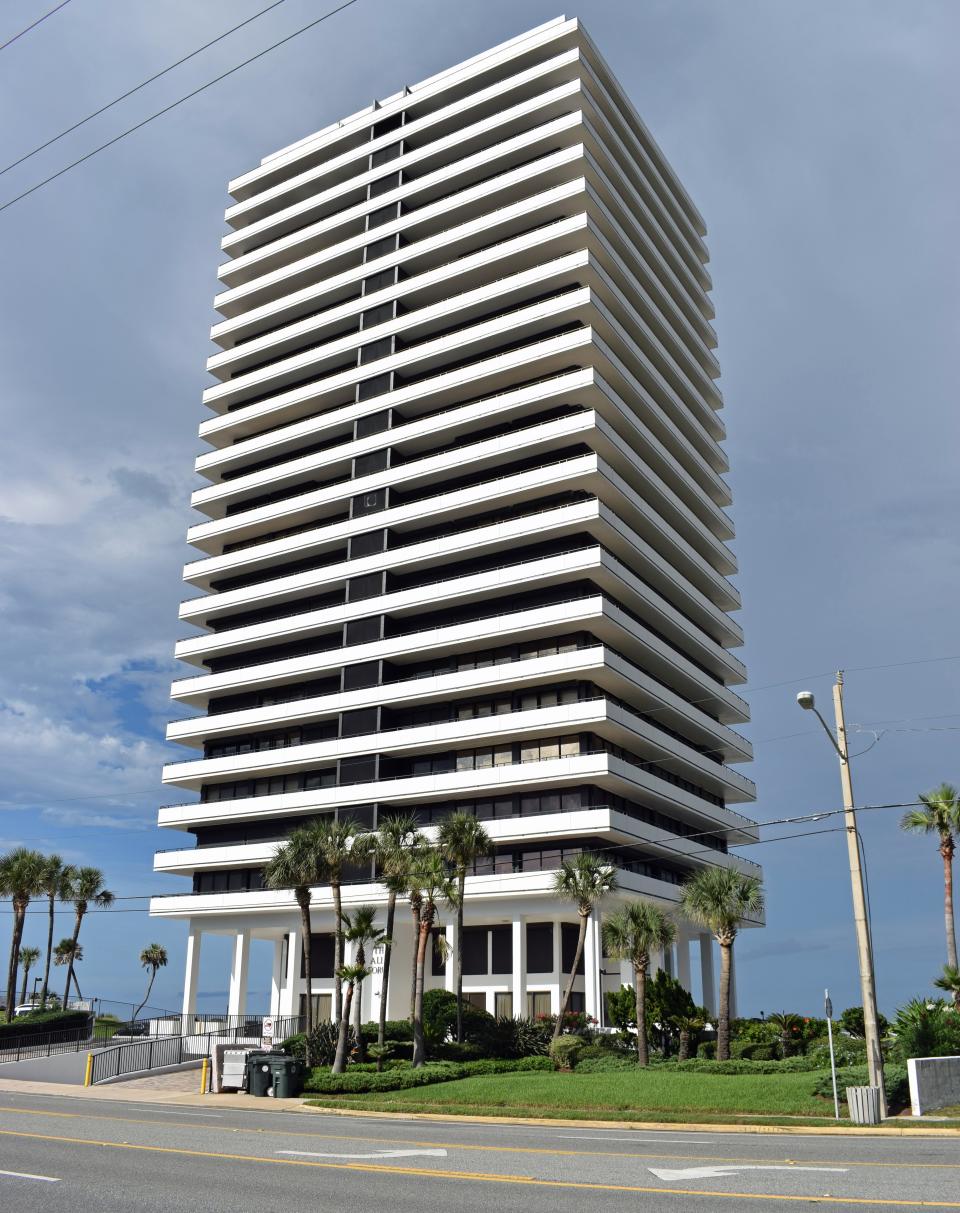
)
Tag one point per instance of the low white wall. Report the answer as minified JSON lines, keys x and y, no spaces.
{"x":934,"y":1083}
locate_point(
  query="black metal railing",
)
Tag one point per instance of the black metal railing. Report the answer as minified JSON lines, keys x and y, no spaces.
{"x":161,"y":1050}
{"x":46,"y":1044}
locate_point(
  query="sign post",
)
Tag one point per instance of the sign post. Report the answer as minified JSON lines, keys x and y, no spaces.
{"x":828,"y":1008}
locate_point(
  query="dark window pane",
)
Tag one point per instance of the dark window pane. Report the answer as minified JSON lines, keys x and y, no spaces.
{"x":378,"y":315}
{"x":364,"y":631}
{"x":367,"y":586}
{"x":438,"y":964}
{"x":384,"y":155}
{"x":502,"y":938}
{"x":368,"y":544}
{"x":321,"y":956}
{"x":375,"y":386}
{"x":363,"y":674}
{"x":386,"y":214}
{"x":373,"y":423}
{"x":372,"y":462}
{"x":569,"y":934}
{"x":475,"y":951}
{"x":383,"y":185}
{"x":374,"y":350}
{"x":386,"y":125}
{"x":368,"y":503}
{"x":540,"y":947}
{"x":355,"y":724}
{"x":362,"y":769}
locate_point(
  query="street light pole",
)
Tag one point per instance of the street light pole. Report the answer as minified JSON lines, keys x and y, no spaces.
{"x":868,"y":989}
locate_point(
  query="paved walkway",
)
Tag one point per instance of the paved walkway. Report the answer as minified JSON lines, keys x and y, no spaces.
{"x":186,"y":1081}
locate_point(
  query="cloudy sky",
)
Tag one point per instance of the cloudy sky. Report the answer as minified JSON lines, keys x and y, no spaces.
{"x":817,"y":138}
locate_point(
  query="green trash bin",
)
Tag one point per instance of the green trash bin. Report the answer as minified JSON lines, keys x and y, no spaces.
{"x":259,"y":1076}
{"x":289,"y":1074}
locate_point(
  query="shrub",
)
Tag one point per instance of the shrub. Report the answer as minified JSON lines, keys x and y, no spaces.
{"x":895,"y":1083}
{"x":393,"y":1029}
{"x":449,"y":1050}
{"x":851,"y":1022}
{"x":753,"y":1031}
{"x":323,"y":1042}
{"x":439,"y":1014}
{"x":522,"y":1037}
{"x":926,"y":1028}
{"x":565,"y":1051}
{"x":604,"y":1062}
{"x":44,"y":1023}
{"x":753,"y":1051}
{"x":359,"y":1081}
{"x":707,"y":1050}
{"x":847,"y":1050}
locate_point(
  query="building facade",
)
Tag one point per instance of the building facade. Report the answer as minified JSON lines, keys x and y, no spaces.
{"x":464,"y":542}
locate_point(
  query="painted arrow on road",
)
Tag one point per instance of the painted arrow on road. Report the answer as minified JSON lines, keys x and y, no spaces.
{"x":375,"y":1154}
{"x":720,"y":1171}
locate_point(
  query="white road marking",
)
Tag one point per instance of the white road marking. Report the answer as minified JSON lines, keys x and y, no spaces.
{"x":179,"y":1112}
{"x":44,"y":1179}
{"x":375,"y":1154}
{"x":633,"y":1137}
{"x":718,"y":1172}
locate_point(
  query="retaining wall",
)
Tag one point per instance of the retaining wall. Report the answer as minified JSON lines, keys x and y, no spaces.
{"x":934,"y":1083}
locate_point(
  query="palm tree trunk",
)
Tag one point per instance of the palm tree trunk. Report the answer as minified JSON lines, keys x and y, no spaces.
{"x":385,"y":982}
{"x":19,"y":914}
{"x":684,"y":1051}
{"x":76,"y":986}
{"x":23,"y":988}
{"x":415,"y":910}
{"x":340,"y":1060}
{"x":581,"y":939}
{"x":46,"y":964}
{"x":361,"y":960}
{"x":305,"y":931}
{"x":723,"y":1017}
{"x":461,"y":886}
{"x":337,"y":948}
{"x":153,"y":974}
{"x":419,"y":1049}
{"x":640,"y":994}
{"x":947,"y":852}
{"x":75,"y":937}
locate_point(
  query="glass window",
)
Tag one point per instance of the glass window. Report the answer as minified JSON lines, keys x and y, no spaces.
{"x":540,"y":949}
{"x":501,"y":946}
{"x":503,"y":1006}
{"x":538,"y":1003}
{"x":465,"y":761}
{"x":484,"y":758}
{"x":549,"y":749}
{"x":503,"y":756}
{"x":569,"y":746}
{"x":475,"y":951}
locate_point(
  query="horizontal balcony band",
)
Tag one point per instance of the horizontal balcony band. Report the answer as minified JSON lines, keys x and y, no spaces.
{"x":422,"y":192}
{"x":609,"y":573}
{"x":605,"y":621}
{"x":614,"y":723}
{"x":600,"y":664}
{"x":342,"y":163}
{"x":605,"y":770}
{"x":593,"y":515}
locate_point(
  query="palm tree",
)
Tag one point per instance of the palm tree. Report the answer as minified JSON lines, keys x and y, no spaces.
{"x":86,"y":885}
{"x":462,"y":840}
{"x":950,"y":981}
{"x":27,"y":957}
{"x":299,"y":864}
{"x":719,"y":899}
{"x":431,"y":880}
{"x":397,"y":836}
{"x":363,"y":931}
{"x":20,"y":873}
{"x":68,"y":952}
{"x":940,"y":815}
{"x":335,"y":840}
{"x":585,"y":880}
{"x":415,"y":901}
{"x":56,"y":884}
{"x":353,"y":975}
{"x":789,"y":1025}
{"x":631,"y":934}
{"x":687,"y":1026}
{"x":153,"y":957}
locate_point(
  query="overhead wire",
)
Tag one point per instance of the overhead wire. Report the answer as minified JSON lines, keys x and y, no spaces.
{"x":137,"y":87}
{"x":39,"y":21}
{"x":174,"y":104}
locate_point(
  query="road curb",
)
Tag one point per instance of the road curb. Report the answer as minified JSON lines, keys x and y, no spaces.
{"x":644,"y":1125}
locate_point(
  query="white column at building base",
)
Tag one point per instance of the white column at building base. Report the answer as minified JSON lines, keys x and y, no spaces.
{"x":192,"y":973}
{"x":592,"y":957}
{"x":239,"y":972}
{"x":450,"y":968}
{"x":276,"y":976}
{"x":519,"y":968}
{"x":707,"y":978}
{"x":683,"y":961}
{"x":289,"y":1002}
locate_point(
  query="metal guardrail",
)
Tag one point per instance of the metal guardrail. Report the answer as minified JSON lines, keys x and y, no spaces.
{"x":160,"y":1051}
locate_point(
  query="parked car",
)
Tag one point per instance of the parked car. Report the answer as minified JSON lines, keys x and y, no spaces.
{"x":136,"y":1027}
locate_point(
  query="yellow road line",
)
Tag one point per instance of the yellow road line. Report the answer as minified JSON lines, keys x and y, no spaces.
{"x":719,"y":1159}
{"x":481,"y":1177}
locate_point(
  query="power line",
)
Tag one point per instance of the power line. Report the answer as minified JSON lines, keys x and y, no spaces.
{"x":173,"y":105}
{"x":137,"y":87}
{"x":39,"y":21}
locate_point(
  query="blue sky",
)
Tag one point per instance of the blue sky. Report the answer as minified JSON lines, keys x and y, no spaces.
{"x":817,"y":140}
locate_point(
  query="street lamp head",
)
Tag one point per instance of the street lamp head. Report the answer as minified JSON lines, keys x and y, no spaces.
{"x":806,"y":700}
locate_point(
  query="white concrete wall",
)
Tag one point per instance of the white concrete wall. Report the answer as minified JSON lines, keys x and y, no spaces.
{"x":934,"y":1083}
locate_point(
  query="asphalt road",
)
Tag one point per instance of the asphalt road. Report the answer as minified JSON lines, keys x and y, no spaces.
{"x":61,"y":1154}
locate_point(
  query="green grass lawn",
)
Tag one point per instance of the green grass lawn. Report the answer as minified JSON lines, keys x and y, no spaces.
{"x":642,"y":1095}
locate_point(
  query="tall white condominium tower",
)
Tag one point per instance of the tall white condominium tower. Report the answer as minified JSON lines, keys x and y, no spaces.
{"x":463,"y":546}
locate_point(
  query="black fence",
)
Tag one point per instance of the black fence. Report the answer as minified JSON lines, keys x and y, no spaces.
{"x":46,"y":1044}
{"x":159,"y":1050}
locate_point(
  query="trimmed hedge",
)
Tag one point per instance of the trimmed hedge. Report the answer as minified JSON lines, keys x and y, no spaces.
{"x":43,"y":1023}
{"x":894,"y":1080}
{"x":353,"y":1082}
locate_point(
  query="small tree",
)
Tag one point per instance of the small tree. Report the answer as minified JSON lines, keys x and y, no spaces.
{"x":68,"y":952}
{"x":335,"y":840}
{"x":720,"y":899}
{"x":631,"y":934}
{"x":851,"y":1022}
{"x":55,"y":883}
{"x":352,"y":975}
{"x":28,"y":957}
{"x":397,"y":837}
{"x":949,"y":981}
{"x":363,"y":931}
{"x":688,"y":1026}
{"x":153,"y":957}
{"x":585,"y":880}
{"x":790,"y":1027}
{"x":462,"y":841}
